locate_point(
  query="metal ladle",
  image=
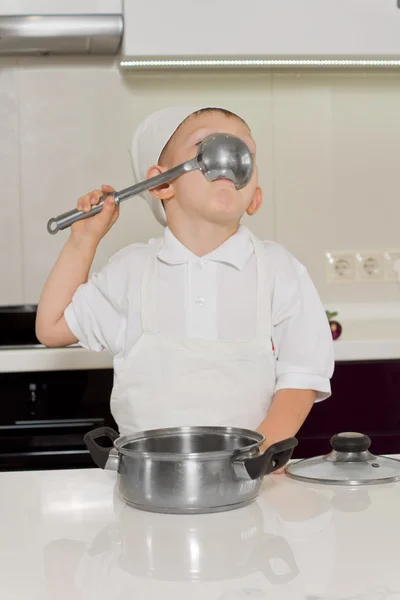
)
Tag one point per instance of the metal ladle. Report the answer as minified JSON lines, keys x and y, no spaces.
{"x":220,"y":156}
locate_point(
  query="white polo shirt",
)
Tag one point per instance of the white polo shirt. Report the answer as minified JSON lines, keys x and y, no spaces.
{"x":212,"y":298}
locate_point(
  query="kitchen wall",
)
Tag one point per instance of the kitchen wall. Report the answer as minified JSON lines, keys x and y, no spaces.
{"x":328,"y":154}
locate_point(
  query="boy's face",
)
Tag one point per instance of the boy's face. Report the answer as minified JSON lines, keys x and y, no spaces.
{"x":218,"y":201}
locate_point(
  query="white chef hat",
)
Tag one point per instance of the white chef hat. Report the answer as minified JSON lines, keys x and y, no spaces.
{"x":148,"y":142}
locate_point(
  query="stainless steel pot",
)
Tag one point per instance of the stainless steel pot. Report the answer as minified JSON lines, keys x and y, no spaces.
{"x":188,"y":469}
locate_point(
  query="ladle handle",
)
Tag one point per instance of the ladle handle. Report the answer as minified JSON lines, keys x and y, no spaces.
{"x":72,"y":216}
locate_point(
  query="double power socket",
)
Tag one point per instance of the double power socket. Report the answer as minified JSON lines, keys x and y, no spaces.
{"x":366,"y":266}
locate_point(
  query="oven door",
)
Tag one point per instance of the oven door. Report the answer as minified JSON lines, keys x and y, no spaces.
{"x":45,"y":415}
{"x":32,"y":445}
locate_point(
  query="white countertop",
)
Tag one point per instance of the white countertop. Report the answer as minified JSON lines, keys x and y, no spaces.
{"x":66,"y":535}
{"x":52,"y":359}
{"x":76,"y":358}
{"x":370,"y":332}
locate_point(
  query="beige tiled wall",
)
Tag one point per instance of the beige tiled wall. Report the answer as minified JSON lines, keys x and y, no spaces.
{"x":11,"y":269}
{"x":336,"y":164}
{"x":328,"y":152}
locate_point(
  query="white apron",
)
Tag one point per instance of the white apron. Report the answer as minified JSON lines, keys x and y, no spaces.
{"x":168,"y":382}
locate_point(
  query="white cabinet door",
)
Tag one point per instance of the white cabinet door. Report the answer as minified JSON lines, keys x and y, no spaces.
{"x":10,"y":230}
{"x":59,"y":7}
{"x":262,"y":28}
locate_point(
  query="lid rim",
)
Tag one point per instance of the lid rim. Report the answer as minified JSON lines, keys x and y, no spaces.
{"x":343,"y":482}
{"x":391,"y":471}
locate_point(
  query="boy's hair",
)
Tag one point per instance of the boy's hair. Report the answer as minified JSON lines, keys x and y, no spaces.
{"x":224,"y":111}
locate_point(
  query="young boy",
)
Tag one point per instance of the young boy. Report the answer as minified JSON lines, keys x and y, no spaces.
{"x":207,"y":325}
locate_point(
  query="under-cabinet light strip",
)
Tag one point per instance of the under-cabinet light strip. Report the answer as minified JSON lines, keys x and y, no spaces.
{"x":178,"y":63}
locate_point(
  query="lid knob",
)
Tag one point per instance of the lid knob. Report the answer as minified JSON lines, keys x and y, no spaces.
{"x":350,"y":442}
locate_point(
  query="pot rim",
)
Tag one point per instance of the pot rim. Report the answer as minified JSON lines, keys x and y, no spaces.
{"x":122,"y":441}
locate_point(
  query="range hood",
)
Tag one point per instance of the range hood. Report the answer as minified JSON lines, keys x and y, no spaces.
{"x":62,"y":28}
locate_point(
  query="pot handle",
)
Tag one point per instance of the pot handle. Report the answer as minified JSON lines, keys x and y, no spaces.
{"x":100,"y":454}
{"x":274,"y":458}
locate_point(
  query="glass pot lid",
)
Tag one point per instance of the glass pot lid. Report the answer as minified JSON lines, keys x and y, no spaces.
{"x":349,"y":463}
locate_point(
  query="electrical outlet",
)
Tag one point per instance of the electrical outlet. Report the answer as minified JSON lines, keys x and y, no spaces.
{"x":363,"y":266}
{"x":340,"y":267}
{"x":391,"y":273}
{"x":370,"y":266}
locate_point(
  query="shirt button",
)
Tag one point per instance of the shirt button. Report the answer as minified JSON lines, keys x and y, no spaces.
{"x":201,"y":265}
{"x":199,"y":300}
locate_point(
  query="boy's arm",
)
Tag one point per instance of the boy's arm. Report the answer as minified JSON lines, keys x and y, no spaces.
{"x":288,"y":411}
{"x":72,"y":269}
{"x":69,"y":272}
{"x":303,"y":349}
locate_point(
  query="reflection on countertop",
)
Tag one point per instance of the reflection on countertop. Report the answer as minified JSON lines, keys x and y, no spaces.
{"x":74,"y":538}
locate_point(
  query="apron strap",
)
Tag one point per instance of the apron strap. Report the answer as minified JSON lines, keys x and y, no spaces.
{"x":148,"y":295}
{"x":264,"y":296}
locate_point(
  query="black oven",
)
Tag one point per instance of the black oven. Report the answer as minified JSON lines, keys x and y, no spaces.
{"x":45,"y":414}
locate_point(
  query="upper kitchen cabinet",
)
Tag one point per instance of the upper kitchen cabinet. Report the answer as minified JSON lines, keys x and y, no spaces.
{"x":263,"y":29}
{"x":10,"y":229}
{"x":62,"y":27}
{"x":60,"y":7}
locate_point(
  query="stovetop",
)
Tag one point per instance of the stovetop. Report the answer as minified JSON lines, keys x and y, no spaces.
{"x":17,"y":327}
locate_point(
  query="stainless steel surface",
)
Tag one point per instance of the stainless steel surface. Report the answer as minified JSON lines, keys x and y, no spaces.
{"x":189,"y":469}
{"x":43,"y":425}
{"x":346,"y":466}
{"x":60,"y":34}
{"x":220,"y":156}
{"x":352,"y":457}
{"x":239,"y":469}
{"x":18,"y":308}
{"x":67,"y":219}
{"x":224,"y":156}
{"x":113,"y":460}
{"x":190,"y":442}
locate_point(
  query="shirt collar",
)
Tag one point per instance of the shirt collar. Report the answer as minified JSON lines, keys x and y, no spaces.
{"x":235,"y":251}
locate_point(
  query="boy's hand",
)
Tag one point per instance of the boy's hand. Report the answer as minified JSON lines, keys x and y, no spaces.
{"x":95,"y":228}
{"x":279,"y":471}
